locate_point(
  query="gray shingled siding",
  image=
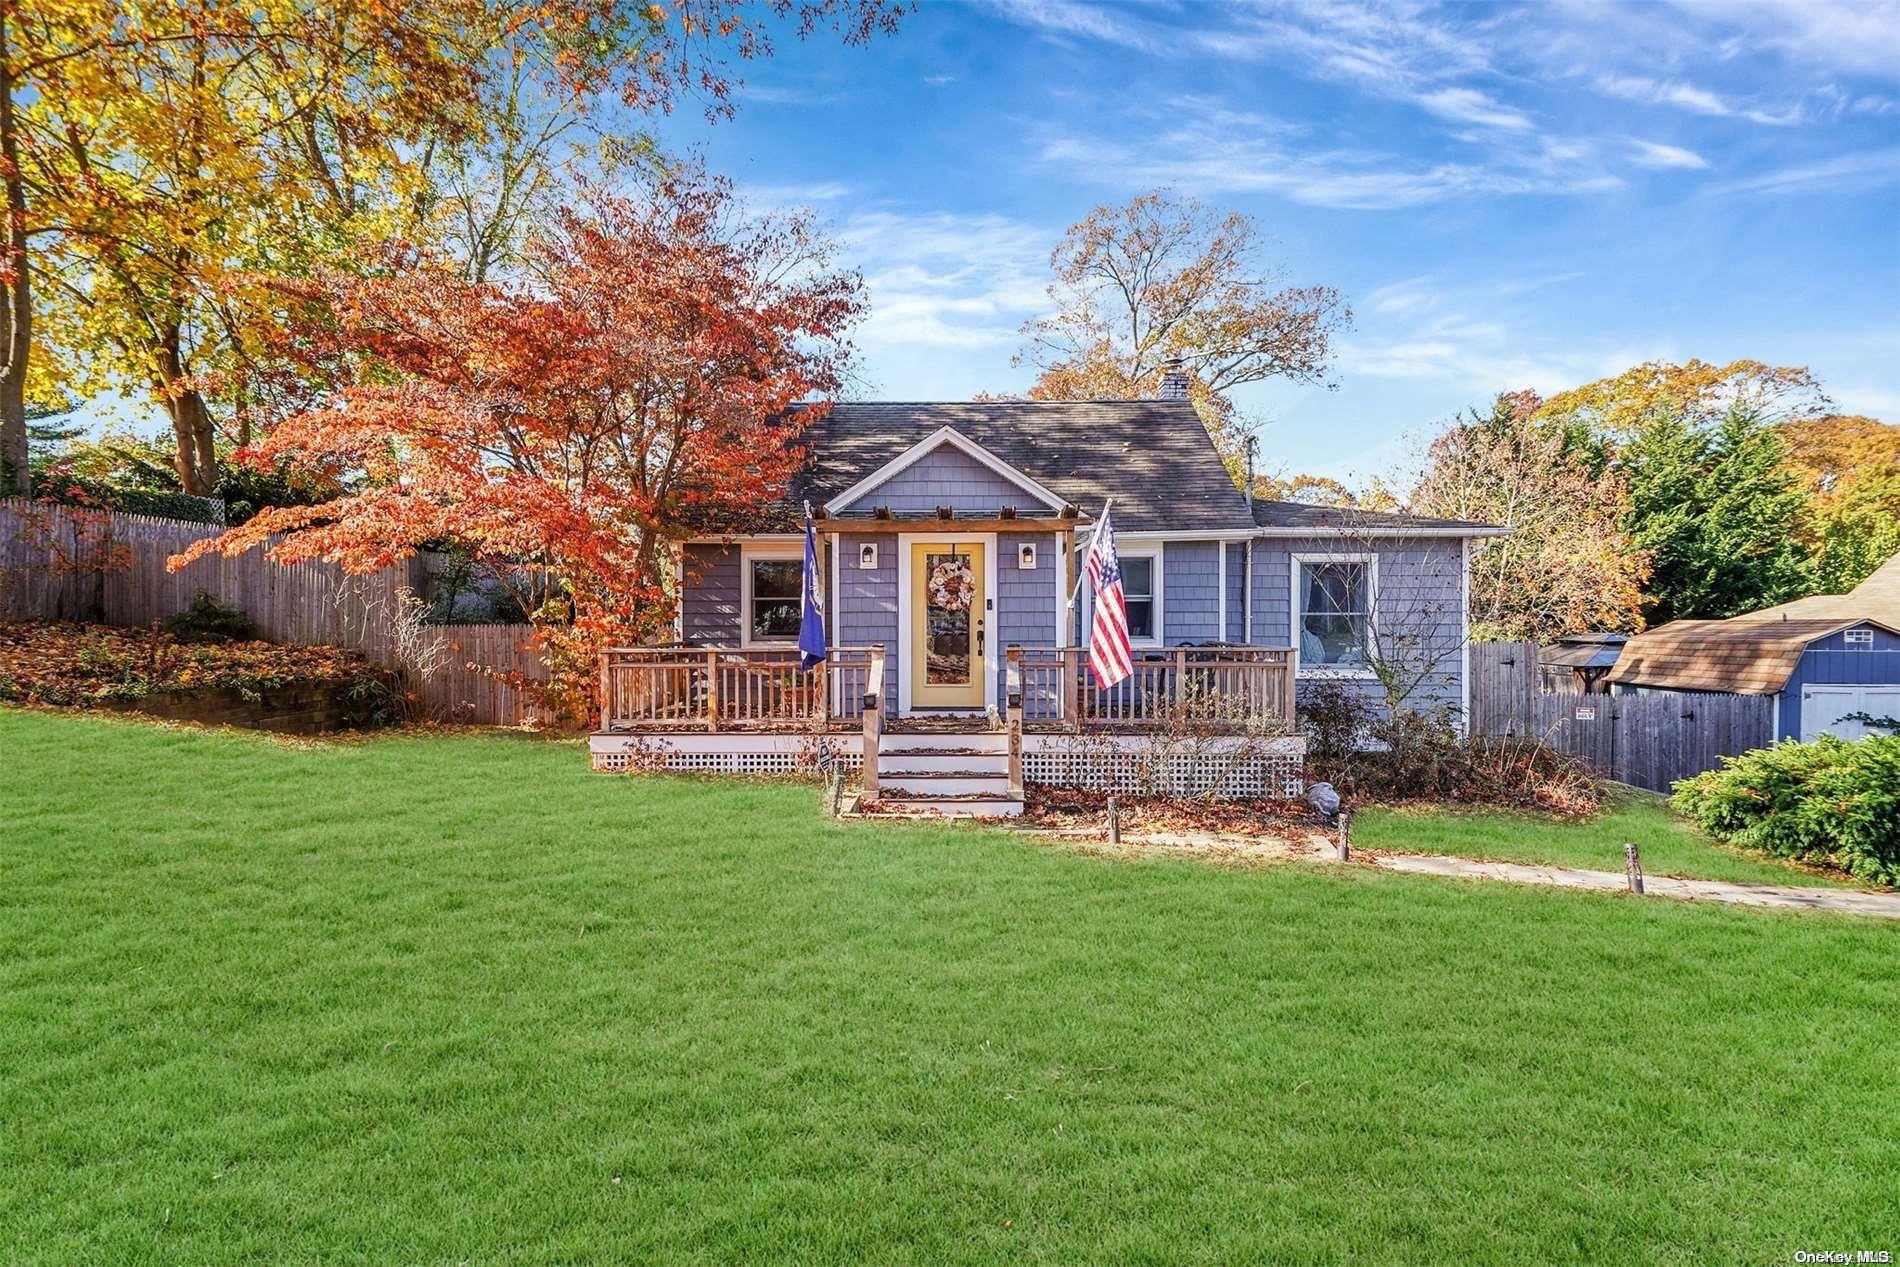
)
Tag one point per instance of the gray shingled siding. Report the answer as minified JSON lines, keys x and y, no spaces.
{"x":1190,"y":592}
{"x":867,"y":604}
{"x":1190,"y":586}
{"x":1025,"y":599}
{"x":947,"y":476}
{"x":709,"y":602}
{"x":1418,"y":599}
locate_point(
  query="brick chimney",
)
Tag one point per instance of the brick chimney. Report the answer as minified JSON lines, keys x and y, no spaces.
{"x":1174,"y":379}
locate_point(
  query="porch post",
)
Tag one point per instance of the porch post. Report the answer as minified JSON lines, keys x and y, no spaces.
{"x":712,"y":690}
{"x":606,"y":693}
{"x":1071,"y":690}
{"x":1014,"y":678}
{"x":873,"y":720}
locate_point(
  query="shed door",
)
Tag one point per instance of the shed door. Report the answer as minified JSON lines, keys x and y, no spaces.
{"x":1824,"y":707}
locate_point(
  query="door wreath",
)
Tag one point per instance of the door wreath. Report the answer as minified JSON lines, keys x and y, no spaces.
{"x":952,"y":585}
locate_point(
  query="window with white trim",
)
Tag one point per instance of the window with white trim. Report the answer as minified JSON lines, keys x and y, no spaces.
{"x":1334,"y":598}
{"x":1138,"y":592}
{"x":775,"y":598}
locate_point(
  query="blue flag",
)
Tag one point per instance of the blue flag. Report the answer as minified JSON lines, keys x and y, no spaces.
{"x":811,"y":626}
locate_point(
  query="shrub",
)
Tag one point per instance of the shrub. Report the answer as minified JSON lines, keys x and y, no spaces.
{"x":1336,"y":721}
{"x":1830,"y":802}
{"x":208,"y":620}
{"x":80,"y":490}
{"x":1422,"y":755}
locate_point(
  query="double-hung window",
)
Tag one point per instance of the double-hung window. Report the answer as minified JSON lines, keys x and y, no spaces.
{"x":774,"y":599}
{"x":1332,"y":604}
{"x":1138,"y":592}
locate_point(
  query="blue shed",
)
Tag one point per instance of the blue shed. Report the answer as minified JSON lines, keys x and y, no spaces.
{"x":1824,"y":660}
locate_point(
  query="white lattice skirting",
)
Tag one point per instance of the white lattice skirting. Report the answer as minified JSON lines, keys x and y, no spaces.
{"x":1122,"y":763}
{"x":726,"y":754}
{"x":1140,"y":764}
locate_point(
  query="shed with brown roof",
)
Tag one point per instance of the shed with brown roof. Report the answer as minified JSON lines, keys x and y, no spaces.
{"x":1825,"y":658}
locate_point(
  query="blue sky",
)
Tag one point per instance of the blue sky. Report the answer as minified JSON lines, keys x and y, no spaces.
{"x":1508,"y":196}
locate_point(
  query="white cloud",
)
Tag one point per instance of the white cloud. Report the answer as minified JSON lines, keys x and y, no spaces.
{"x":782,"y":95}
{"x":1468,"y":105}
{"x":1414,"y":294}
{"x":1697,"y":100}
{"x":1426,"y":329}
{"x":1865,"y":167}
{"x":775,"y":197}
{"x":1666,"y":157}
{"x":1215,"y":159}
{"x":1068,"y":18}
{"x":1855,"y":36}
{"x":945,"y":280}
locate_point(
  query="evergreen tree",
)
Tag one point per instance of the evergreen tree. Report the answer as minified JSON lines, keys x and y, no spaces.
{"x":1718,"y":511}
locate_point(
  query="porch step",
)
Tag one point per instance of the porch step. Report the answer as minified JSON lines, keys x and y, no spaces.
{"x":941,"y":772}
{"x":951,"y":806}
{"x":939,"y":761}
{"x":944,"y":741}
{"x":939,"y":783}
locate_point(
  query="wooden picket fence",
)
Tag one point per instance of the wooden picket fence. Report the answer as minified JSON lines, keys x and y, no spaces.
{"x":306,"y":603}
{"x":1650,"y":741}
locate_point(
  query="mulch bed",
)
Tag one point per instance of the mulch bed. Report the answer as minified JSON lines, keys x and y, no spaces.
{"x":1062,"y":807}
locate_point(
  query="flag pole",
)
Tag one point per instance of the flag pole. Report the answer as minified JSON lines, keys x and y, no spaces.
{"x":1080,"y":571}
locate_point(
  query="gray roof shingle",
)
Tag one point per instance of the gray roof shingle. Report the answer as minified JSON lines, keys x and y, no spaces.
{"x":1152,"y":456}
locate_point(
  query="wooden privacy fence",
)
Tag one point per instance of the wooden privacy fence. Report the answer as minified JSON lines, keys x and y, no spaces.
{"x":307,"y":603}
{"x":1650,"y":741}
{"x":1504,"y":685}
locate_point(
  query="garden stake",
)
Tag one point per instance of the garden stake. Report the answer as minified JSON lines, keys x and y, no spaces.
{"x":1114,"y":823}
{"x":1633,"y":867}
{"x":1344,"y":849}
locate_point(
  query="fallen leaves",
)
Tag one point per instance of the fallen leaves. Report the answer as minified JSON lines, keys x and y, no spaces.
{"x":70,"y":664}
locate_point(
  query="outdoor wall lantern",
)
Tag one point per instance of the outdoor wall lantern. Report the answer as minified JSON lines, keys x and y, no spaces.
{"x":867,"y":555}
{"x":1026,"y":556}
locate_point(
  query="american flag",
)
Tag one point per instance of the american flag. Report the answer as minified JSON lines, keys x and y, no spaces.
{"x":1110,"y":657}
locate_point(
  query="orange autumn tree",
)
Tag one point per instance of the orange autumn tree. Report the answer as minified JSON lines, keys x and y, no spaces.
{"x":573,"y":426}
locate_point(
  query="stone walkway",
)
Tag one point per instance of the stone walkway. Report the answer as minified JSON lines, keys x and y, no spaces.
{"x":1220,"y":847}
{"x":1843,"y":901}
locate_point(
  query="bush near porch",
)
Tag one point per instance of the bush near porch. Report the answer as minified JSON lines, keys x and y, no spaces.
{"x":446,"y":998}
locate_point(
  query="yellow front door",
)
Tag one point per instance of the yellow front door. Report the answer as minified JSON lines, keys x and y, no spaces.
{"x":946,"y":624}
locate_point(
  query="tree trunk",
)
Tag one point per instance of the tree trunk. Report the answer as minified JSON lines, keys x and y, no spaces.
{"x":16,"y":314}
{"x":197,"y":458}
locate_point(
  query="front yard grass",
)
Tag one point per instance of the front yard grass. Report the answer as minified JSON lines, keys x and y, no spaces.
{"x":1669,"y":844}
{"x":444,"y":998}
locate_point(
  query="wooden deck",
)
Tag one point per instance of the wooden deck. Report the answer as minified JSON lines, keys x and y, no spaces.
{"x":748,"y":709}
{"x":753,"y":690}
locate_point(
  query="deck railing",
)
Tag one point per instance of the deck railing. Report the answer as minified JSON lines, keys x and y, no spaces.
{"x":1050,"y":688}
{"x":730,"y":688}
{"x":1219,"y":684}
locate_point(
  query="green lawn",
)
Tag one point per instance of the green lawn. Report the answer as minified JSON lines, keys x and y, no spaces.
{"x":452,"y":999}
{"x":1668,"y":843}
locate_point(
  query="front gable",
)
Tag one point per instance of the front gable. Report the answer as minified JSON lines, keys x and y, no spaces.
{"x":945,"y":468}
